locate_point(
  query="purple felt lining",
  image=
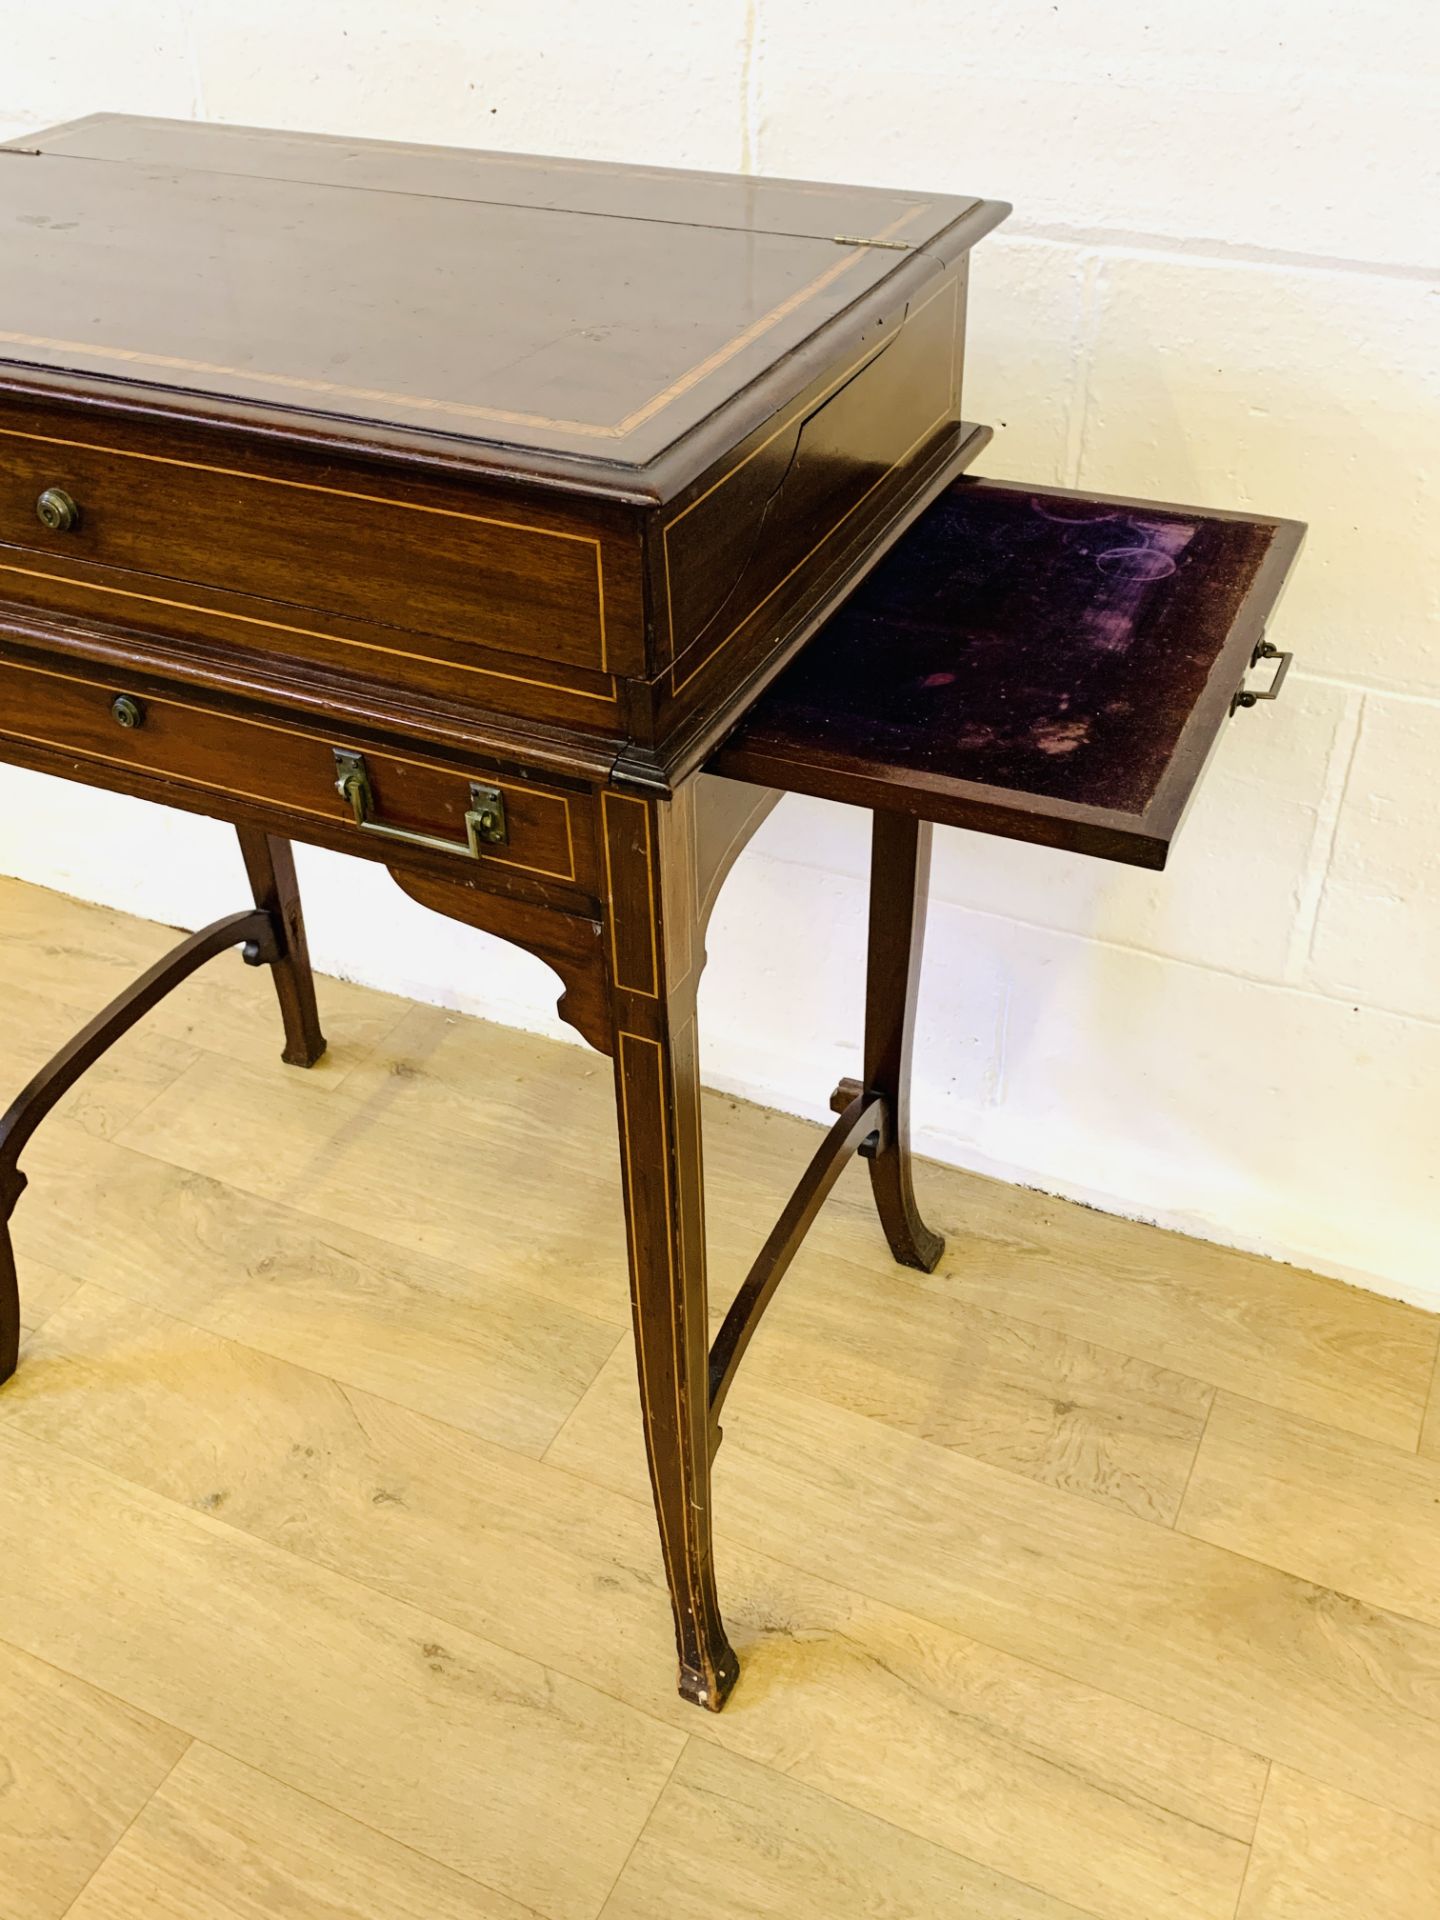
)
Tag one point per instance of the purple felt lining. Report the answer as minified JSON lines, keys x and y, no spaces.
{"x":1043,"y":642}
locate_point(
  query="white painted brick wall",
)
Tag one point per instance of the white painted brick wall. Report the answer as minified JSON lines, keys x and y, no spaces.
{"x":1220,"y":285}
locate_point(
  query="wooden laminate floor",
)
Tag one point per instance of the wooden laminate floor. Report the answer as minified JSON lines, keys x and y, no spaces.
{"x":1097,"y":1575}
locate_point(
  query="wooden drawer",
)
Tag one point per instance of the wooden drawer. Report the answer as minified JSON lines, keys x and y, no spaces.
{"x":237,"y":758}
{"x":1033,"y":662}
{"x":292,"y":560}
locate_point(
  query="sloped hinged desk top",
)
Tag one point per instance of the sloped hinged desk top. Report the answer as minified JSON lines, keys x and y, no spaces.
{"x":568,"y":311}
{"x":534,"y":444}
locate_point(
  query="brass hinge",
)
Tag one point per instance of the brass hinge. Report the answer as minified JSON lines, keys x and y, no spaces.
{"x":864,"y":240}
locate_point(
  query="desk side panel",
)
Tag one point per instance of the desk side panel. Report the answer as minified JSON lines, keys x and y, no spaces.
{"x":742,"y":561}
{"x":490,"y":595}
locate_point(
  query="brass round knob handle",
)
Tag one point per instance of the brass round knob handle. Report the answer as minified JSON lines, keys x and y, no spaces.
{"x":56,"y":510}
{"x":126,"y":712}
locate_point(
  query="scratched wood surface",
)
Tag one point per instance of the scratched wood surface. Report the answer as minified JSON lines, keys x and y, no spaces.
{"x":1094,"y":1577}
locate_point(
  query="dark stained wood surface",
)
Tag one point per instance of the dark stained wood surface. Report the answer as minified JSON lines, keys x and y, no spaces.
{"x":745,"y":534}
{"x":656,"y":941}
{"x":479,"y":573}
{"x":899,"y":896}
{"x":227,"y":759}
{"x":594,"y":313}
{"x":534,"y":474}
{"x":815,"y":209}
{"x":1041,"y":663}
{"x":572,"y":944}
{"x":270,"y":869}
{"x":490,"y":444}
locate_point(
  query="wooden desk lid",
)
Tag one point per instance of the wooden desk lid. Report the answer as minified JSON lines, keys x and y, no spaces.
{"x":1043,"y":664}
{"x":571,"y":318}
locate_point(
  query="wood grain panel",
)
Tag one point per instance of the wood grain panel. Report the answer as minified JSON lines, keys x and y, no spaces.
{"x":1344,"y":1512}
{"x":529,"y":1783}
{"x":728,"y":1839}
{"x":998,"y":1685}
{"x":333,"y":542}
{"x":846,"y":1326}
{"x":212,"y":639}
{"x":62,"y":959}
{"x":324,"y":1155}
{"x":468,"y":1345}
{"x":1430,"y":1428}
{"x":76,"y":1766}
{"x":45,"y":1289}
{"x":32,"y":1027}
{"x":1321,"y":1854}
{"x":1293,"y":1340}
{"x":1247,"y":1653}
{"x":1126,"y":1813}
{"x":254,"y":760}
{"x":223,"y":1842}
{"x":754,"y":203}
{"x":617,"y":330}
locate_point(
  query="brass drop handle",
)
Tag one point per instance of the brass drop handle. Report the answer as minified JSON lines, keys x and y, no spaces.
{"x":58,"y":510}
{"x":1252,"y":696}
{"x":484,"y":818}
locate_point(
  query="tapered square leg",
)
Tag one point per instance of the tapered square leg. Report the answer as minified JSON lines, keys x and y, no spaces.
{"x":270,"y":865}
{"x":654,"y":961}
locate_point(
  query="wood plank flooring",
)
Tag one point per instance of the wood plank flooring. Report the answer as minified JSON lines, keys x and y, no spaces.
{"x":1094,"y":1577}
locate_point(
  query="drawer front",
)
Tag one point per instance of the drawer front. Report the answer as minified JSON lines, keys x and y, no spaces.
{"x":406,"y":801}
{"x":473,"y":570}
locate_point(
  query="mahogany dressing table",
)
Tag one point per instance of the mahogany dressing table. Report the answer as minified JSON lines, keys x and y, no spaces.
{"x":529,"y":526}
